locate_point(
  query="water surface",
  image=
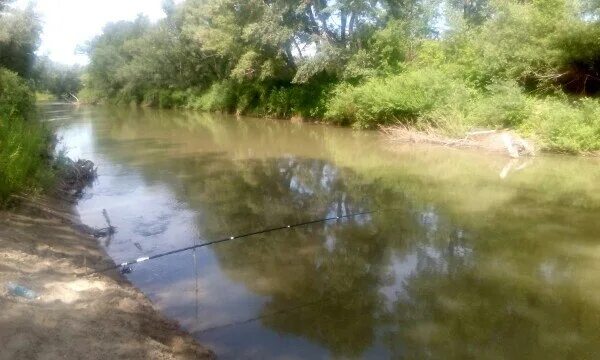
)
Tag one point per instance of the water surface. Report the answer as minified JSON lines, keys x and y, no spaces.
{"x":477,"y":256}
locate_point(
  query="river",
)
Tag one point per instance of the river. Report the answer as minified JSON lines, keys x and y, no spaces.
{"x":472,"y":256}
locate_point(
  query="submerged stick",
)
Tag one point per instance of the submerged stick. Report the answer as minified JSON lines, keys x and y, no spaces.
{"x":105,"y":214}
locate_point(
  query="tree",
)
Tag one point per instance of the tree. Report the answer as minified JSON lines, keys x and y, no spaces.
{"x":19,"y":38}
{"x":57,"y":79}
{"x":109,"y":55}
{"x":3,"y":4}
{"x":475,"y":12}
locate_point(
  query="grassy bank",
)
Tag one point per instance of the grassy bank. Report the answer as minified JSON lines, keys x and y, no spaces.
{"x":532,"y":67}
{"x":428,"y":98}
{"x":24,"y":144}
{"x":422,"y":99}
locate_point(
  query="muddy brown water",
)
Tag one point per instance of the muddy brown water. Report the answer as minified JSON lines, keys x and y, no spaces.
{"x":481,"y":256}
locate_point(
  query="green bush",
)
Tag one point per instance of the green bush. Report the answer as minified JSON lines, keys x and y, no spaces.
{"x":220,"y":97}
{"x":565,"y":126}
{"x":168,"y":99}
{"x":151,"y":97}
{"x":305,"y":100}
{"x":504,"y":105}
{"x":23,"y":145}
{"x":22,"y":162}
{"x":249,"y":98}
{"x":279,"y":103}
{"x":16,"y":98}
{"x":89,"y":95}
{"x":406,"y":98}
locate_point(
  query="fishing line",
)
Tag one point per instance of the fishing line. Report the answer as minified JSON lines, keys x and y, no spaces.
{"x":282,"y":311}
{"x":125,"y":265}
{"x":270,"y":314}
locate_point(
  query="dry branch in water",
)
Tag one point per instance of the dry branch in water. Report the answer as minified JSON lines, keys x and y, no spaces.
{"x":75,"y":176}
{"x":492,"y":140}
{"x":430,"y":136}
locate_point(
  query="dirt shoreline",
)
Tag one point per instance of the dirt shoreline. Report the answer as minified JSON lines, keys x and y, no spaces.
{"x":97,"y":317}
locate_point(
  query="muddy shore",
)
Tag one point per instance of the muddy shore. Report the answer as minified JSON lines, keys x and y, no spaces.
{"x":96,"y":317}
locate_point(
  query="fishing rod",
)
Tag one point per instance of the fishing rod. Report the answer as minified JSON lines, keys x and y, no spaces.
{"x":124,"y":266}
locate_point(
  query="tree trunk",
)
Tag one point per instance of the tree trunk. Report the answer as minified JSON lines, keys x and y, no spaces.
{"x":343,"y":26}
{"x":351,"y":26}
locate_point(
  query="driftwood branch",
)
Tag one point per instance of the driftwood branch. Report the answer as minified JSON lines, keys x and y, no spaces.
{"x":74,"y":177}
{"x":493,"y":140}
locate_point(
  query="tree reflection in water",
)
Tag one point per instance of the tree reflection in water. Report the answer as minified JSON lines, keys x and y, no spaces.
{"x":465,"y":266}
{"x":332,"y":276}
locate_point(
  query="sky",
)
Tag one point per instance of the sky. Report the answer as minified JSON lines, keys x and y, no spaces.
{"x":68,"y":23}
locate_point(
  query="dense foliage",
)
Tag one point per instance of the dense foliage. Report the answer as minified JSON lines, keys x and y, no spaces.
{"x":23,"y":143}
{"x":61,"y":81}
{"x":532,"y":66}
{"x":19,"y":38}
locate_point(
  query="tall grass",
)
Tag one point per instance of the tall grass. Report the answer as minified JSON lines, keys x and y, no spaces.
{"x":23,"y":144}
{"x":409,"y":98}
{"x":431,"y":98}
{"x":571,"y":126}
{"x":22,"y":163}
{"x":220,"y":97}
{"x":305,"y":100}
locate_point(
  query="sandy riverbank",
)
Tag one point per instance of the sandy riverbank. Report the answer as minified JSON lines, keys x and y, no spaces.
{"x":98,"y":317}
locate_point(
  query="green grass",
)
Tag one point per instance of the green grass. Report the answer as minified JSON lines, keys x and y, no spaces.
{"x":410,"y":98}
{"x":431,"y":98}
{"x":306,"y":100}
{"x":44,"y":96}
{"x":24,"y":165}
{"x":560,"y":125}
{"x":220,"y":97}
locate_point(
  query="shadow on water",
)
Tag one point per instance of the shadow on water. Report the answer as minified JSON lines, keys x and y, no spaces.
{"x":475,"y":261}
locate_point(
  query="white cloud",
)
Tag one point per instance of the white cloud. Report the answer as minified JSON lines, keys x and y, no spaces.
{"x":68,"y":23}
